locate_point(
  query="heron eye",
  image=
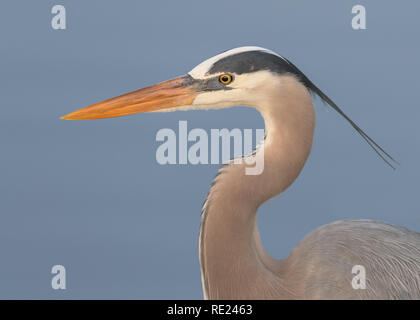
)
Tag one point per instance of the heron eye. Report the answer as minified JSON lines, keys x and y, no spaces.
{"x":225,"y":78}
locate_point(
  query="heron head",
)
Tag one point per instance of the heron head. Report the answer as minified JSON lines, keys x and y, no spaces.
{"x":242,"y":76}
{"x":239,"y":76}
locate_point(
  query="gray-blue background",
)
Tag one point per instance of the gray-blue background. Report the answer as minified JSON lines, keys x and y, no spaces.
{"x":89,"y":195}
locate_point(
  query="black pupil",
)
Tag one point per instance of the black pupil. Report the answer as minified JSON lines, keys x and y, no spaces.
{"x":225,"y":79}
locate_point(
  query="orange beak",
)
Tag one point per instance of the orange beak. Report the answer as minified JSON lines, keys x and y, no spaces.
{"x":165,"y":95}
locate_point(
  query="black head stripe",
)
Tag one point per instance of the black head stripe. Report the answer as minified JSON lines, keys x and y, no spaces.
{"x":252,"y":61}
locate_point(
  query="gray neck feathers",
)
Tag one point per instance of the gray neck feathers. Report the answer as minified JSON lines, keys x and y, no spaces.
{"x":231,"y":254}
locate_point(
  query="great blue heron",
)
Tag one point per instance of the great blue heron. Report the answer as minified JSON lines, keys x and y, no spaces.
{"x":233,"y":262}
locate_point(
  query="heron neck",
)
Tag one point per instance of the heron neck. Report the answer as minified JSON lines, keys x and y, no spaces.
{"x":234,"y":264}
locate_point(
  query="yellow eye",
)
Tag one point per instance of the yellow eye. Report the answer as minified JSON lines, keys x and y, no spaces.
{"x":225,"y":78}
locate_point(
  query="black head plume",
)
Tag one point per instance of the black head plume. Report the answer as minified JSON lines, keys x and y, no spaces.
{"x":313,"y":88}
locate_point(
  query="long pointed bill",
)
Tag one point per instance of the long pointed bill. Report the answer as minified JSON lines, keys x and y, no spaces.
{"x":165,"y":95}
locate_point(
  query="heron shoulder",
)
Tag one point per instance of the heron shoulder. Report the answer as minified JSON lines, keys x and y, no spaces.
{"x":363,"y":235}
{"x":390,"y":256}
